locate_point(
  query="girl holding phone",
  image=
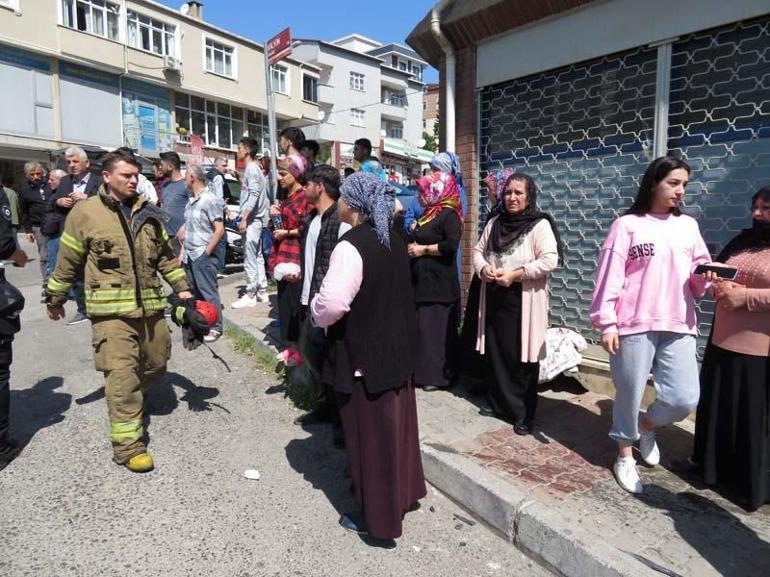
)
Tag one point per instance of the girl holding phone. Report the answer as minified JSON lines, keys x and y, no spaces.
{"x":644,"y":305}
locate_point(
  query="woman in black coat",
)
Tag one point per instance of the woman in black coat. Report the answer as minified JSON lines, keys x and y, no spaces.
{"x":435,"y":240}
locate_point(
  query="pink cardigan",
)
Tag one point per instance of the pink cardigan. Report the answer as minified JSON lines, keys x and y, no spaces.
{"x":542,"y":258}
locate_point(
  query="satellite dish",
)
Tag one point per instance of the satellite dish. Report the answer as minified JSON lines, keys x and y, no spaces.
{"x":185,"y":9}
{"x":383,"y":133}
{"x":321,"y":115}
{"x":421,"y":143}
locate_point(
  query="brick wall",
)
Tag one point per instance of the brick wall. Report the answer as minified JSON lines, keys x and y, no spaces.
{"x":467,"y":150}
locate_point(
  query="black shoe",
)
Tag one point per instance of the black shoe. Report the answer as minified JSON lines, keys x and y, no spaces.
{"x":387,"y":544}
{"x":354,"y":522}
{"x":522,"y":428}
{"x":487,"y":411}
{"x":429,"y":388}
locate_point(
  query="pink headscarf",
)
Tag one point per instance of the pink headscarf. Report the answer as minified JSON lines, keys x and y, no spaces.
{"x":294,"y":164}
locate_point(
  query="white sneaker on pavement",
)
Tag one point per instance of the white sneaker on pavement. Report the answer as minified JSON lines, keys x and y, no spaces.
{"x":262,"y":296}
{"x":212,"y":336}
{"x":627,"y":475}
{"x":245,"y":301}
{"x":648,"y":448}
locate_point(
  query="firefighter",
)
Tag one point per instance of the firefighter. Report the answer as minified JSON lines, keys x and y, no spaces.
{"x":121,"y":241}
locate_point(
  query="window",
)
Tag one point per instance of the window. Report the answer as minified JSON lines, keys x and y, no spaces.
{"x":356,"y":81}
{"x":424,"y":124}
{"x":220,"y":58}
{"x":218,"y":124}
{"x":425,"y":105}
{"x":394,"y":98}
{"x":309,"y":88}
{"x":93,"y":16}
{"x":394,"y":130}
{"x":402,"y":66}
{"x":417,"y":72}
{"x":357,"y":117}
{"x":278,"y":76}
{"x":151,"y":35}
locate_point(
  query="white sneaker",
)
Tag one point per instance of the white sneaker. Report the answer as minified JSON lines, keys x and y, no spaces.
{"x":262,"y":296}
{"x":648,"y":448}
{"x":245,"y":301}
{"x":627,"y":475}
{"x":212,"y":336}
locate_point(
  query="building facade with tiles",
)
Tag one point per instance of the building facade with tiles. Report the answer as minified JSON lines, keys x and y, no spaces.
{"x":582,"y":95}
{"x":108,"y":73}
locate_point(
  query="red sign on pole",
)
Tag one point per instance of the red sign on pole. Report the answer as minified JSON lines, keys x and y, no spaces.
{"x":196,"y":150}
{"x":279,"y":46}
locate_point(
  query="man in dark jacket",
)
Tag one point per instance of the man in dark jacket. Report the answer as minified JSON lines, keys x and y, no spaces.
{"x":33,"y":205}
{"x":79,"y":184}
{"x":323,"y":229}
{"x":11,"y":303}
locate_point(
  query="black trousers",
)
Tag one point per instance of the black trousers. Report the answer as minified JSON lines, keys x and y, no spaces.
{"x":511,"y":383}
{"x":288,"y":297}
{"x":6,"y":356}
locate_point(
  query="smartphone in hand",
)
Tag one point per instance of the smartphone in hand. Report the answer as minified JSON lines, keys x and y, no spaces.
{"x":723,"y":272}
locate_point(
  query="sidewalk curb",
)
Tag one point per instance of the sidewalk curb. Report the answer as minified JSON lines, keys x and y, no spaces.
{"x":532,"y":527}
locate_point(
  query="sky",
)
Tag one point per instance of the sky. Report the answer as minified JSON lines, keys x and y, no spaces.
{"x":384,"y":21}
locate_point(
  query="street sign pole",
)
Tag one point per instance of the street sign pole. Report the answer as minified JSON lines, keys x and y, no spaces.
{"x":276,"y":49}
{"x":271,"y":127}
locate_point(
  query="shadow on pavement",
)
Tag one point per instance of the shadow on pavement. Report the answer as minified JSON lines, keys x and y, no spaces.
{"x":38,"y":407}
{"x":733,"y":549}
{"x":322,"y":466}
{"x":162,"y":398}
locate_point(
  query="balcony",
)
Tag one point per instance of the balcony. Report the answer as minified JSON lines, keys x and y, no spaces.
{"x":393,"y":112}
{"x":326,"y":94}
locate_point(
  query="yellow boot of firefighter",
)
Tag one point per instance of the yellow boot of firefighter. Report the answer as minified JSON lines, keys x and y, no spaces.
{"x":140,"y":463}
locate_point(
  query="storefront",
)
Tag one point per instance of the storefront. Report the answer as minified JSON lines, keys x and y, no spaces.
{"x":146,"y":117}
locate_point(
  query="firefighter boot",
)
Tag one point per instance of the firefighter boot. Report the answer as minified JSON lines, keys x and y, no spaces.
{"x":140,"y":463}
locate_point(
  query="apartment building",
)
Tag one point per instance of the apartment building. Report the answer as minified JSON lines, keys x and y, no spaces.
{"x":106,"y":73}
{"x":368,"y":90}
{"x":430,"y":110}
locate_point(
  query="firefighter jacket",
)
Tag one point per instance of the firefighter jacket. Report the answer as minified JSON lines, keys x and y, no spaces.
{"x":122,"y":258}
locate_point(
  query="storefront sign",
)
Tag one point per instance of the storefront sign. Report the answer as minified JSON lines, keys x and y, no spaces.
{"x":196,"y":150}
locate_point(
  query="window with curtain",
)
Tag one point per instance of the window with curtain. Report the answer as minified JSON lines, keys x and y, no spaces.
{"x":98,"y":17}
{"x":220,"y":58}
{"x":150,"y":34}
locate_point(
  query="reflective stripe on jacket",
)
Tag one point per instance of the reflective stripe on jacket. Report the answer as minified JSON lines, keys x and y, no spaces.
{"x":122,"y":258}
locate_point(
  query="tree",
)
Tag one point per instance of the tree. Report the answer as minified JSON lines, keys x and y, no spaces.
{"x":430,"y":142}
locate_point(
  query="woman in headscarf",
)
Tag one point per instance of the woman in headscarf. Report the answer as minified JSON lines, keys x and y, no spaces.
{"x":732,"y":431}
{"x":517,"y":251}
{"x":471,"y":362}
{"x":365,"y":302}
{"x":435,"y":280}
{"x":287,"y":237}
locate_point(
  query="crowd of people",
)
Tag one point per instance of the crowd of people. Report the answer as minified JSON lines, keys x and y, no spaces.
{"x":368,"y":298}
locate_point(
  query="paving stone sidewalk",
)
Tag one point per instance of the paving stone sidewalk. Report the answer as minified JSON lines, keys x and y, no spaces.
{"x":676,"y":528}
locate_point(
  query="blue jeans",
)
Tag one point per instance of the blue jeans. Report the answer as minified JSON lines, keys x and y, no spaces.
{"x":77,"y":292}
{"x":671,"y":356}
{"x":267,"y":244}
{"x":202,"y":276}
{"x":220,"y":254}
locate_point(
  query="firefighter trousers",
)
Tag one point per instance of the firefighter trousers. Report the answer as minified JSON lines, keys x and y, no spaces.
{"x":132,"y":354}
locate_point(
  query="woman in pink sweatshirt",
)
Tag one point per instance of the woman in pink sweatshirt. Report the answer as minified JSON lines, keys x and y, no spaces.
{"x":644,"y":306}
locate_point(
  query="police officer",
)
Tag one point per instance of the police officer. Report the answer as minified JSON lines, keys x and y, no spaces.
{"x":11,"y":303}
{"x":120,"y":239}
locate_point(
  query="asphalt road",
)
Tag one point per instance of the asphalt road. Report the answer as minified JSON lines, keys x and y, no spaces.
{"x":67,"y":510}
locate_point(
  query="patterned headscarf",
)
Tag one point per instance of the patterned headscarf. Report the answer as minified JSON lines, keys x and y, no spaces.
{"x":495,"y":181}
{"x":439,"y":191}
{"x":294,"y":164}
{"x":448,"y":162}
{"x":372,"y":197}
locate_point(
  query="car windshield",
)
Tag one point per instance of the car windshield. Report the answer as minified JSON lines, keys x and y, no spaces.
{"x":232,"y":192}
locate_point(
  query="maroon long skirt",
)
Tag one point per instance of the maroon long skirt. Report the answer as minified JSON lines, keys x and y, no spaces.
{"x":383,"y":448}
